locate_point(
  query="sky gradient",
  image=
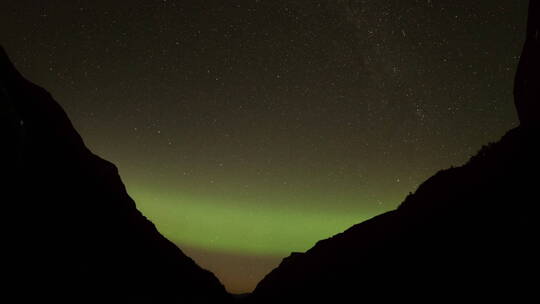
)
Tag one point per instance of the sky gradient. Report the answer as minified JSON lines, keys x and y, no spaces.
{"x":246,"y":130}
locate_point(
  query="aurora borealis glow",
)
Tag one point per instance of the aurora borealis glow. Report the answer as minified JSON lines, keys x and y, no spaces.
{"x":246,"y":227}
{"x":249,"y":129}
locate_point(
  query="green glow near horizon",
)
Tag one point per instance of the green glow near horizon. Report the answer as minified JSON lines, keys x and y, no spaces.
{"x":227,"y":225}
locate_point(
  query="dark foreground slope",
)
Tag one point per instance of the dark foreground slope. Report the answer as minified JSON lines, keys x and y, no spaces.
{"x":466,"y":232}
{"x":72,"y":233}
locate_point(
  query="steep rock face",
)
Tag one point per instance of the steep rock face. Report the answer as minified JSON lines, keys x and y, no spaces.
{"x":527,"y":82}
{"x":467,"y":233}
{"x":74,"y":233}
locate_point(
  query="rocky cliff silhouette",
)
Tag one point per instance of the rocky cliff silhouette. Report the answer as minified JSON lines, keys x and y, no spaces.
{"x":73,"y":233}
{"x":527,"y":82}
{"x":466,"y":234}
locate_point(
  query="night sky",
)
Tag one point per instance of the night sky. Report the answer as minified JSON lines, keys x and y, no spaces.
{"x":249,"y":129}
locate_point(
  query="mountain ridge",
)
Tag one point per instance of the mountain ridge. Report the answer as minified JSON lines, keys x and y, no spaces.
{"x":457,"y":216}
{"x":91,"y":240}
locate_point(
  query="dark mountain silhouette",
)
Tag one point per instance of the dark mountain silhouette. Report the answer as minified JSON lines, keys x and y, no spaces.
{"x":73,"y":233}
{"x":527,"y":82}
{"x":467,"y":231}
{"x":466,"y":234}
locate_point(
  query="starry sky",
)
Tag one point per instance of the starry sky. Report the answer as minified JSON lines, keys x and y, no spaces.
{"x":249,"y":129}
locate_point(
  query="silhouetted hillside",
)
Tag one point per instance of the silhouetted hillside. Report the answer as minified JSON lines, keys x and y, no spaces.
{"x":467,"y":233}
{"x":73,"y":234}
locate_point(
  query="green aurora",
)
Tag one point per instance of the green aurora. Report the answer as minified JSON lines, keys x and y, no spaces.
{"x":226,"y":224}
